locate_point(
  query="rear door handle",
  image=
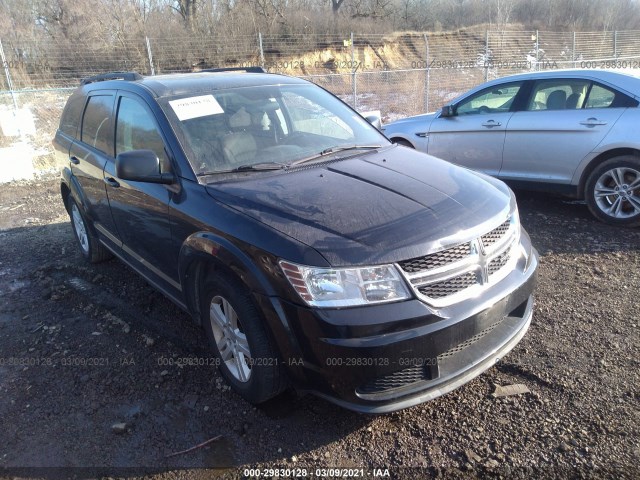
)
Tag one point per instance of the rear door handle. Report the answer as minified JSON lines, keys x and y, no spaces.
{"x":592,"y":122}
{"x":112,"y":182}
{"x":74,"y":160}
{"x":491,"y":123}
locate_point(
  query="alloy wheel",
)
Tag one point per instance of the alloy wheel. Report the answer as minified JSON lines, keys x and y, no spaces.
{"x":617,"y":192}
{"x":230,"y":338}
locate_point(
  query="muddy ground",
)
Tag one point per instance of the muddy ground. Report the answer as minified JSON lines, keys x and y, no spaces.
{"x":95,"y":376}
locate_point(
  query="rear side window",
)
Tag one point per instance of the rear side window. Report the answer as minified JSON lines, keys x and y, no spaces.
{"x":96,"y":123}
{"x":72,"y":114}
{"x":603,"y":97}
{"x":563,"y":94}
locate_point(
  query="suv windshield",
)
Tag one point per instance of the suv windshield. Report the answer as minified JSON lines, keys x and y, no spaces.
{"x":265,"y":127}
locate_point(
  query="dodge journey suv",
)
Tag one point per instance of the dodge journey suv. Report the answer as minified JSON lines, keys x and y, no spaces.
{"x":313,"y":252}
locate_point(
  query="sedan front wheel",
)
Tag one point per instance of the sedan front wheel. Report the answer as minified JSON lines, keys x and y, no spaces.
{"x":613,"y":191}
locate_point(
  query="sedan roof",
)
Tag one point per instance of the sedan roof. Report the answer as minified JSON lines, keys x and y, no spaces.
{"x":627,"y":80}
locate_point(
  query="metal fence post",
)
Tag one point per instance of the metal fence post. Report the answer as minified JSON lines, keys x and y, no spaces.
{"x":153,"y":71}
{"x":615,"y":44}
{"x":537,"y":50}
{"x":261,"y":49}
{"x":427,"y":79}
{"x":486,"y":55}
{"x":353,"y":70}
{"x":573,"y":51}
{"x":7,"y":74}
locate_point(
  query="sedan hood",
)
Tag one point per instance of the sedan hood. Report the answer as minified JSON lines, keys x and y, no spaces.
{"x":376,"y":208}
{"x":423,"y":119}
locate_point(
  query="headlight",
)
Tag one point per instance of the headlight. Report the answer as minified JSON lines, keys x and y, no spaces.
{"x":345,"y":287}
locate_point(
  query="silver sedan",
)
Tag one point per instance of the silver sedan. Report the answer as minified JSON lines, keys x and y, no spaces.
{"x":576,"y":132}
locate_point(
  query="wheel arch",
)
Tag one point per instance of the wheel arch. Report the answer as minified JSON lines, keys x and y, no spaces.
{"x":597,"y":161}
{"x":394,"y":138}
{"x":204,"y":253}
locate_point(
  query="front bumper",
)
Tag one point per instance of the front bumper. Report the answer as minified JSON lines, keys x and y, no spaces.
{"x":383,"y":358}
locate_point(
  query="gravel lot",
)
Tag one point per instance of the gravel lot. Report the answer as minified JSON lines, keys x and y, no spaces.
{"x":88,"y":374}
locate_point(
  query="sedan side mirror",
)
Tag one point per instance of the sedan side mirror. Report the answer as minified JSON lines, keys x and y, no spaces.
{"x":141,"y":166}
{"x":374,"y":118}
{"x":448,"y":111}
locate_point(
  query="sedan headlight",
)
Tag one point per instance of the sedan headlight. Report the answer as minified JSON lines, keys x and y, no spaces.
{"x":345,"y":287}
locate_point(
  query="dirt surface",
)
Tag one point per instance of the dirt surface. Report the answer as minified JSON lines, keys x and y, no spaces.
{"x":94,"y":372}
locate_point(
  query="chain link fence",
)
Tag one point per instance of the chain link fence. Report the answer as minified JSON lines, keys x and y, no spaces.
{"x":399,"y":74}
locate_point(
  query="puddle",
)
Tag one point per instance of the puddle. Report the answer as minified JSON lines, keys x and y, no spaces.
{"x":80,"y":284}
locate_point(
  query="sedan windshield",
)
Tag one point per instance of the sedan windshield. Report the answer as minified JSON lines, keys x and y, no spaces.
{"x":267,"y":127}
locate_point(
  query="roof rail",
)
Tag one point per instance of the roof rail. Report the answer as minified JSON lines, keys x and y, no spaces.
{"x":236,"y":69}
{"x":128,"y":76}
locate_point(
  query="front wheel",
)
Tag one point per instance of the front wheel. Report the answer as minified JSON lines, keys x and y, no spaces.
{"x":240,"y":340}
{"x":612,"y":191}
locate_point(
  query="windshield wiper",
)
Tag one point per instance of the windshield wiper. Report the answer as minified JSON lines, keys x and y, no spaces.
{"x":250,"y":167}
{"x":330,"y":150}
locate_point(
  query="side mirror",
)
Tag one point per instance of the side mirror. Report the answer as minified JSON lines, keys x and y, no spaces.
{"x":374,"y":118}
{"x":141,"y":166}
{"x":448,"y":111}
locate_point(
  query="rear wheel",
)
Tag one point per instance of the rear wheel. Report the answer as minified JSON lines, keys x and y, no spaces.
{"x":612,"y":191}
{"x":91,"y":249}
{"x":240,"y":340}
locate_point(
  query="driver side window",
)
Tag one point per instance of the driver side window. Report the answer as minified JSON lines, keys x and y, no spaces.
{"x":496,"y":99}
{"x":136,"y":129}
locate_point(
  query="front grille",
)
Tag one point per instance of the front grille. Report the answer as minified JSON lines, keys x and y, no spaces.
{"x":498,"y":262}
{"x":436,"y":260}
{"x":496,"y":234}
{"x":450,"y":286}
{"x":442,"y":274}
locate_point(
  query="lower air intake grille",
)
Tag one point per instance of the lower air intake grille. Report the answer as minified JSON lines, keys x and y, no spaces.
{"x":395,"y":380}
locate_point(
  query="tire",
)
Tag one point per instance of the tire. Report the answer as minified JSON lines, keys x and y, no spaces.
{"x":612,"y":191}
{"x":90,"y":247}
{"x":404,"y":143}
{"x":240,"y":340}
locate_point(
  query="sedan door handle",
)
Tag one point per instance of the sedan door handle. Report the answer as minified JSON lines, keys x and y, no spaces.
{"x":74,"y":160}
{"x":592,"y":122}
{"x":112,"y":182}
{"x":491,"y":123}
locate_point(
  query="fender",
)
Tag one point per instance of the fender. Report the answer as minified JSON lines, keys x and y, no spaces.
{"x":207,"y":245}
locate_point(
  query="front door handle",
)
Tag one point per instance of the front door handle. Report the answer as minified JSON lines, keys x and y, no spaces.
{"x":74,"y":160}
{"x":112,"y":182}
{"x":592,"y":122}
{"x":491,"y":123}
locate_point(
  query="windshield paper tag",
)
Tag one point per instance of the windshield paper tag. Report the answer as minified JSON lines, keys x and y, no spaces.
{"x":194,"y":107}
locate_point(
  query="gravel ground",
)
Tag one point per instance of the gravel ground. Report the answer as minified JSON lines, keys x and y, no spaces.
{"x":89,"y":376}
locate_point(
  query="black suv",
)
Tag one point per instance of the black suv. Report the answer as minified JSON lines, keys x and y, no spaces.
{"x":313,"y":252}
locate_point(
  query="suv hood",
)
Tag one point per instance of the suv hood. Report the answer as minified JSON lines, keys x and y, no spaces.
{"x":375,"y":208}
